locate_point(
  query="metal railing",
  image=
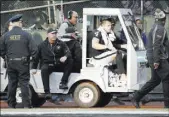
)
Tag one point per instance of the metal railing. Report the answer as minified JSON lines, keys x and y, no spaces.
{"x":44,"y":6}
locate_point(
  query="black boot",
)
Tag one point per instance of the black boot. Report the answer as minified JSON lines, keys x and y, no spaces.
{"x":12,"y":107}
{"x":134,"y":101}
{"x":48,"y":96}
{"x":63,"y":86}
{"x":166,"y":107}
{"x":166,"y":103}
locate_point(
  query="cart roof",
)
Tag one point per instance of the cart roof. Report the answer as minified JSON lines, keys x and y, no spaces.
{"x":105,"y":11}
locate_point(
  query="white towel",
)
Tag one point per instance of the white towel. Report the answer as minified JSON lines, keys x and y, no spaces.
{"x":108,"y":38}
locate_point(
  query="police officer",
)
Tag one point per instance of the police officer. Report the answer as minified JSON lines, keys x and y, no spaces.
{"x":55,"y":56}
{"x":157,"y":57}
{"x":18,"y":46}
{"x":71,"y":22}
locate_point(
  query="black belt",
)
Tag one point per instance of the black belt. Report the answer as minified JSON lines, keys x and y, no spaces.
{"x":15,"y":59}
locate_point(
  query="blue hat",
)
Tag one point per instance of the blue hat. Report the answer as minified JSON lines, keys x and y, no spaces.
{"x":16,"y":18}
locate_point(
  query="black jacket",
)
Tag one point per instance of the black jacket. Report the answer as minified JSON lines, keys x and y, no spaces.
{"x":18,"y":43}
{"x":48,"y":54}
{"x":75,"y":49}
{"x":157,"y":46}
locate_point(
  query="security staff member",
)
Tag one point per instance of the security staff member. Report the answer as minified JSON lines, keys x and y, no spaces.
{"x":75,"y":49}
{"x":54,"y":56}
{"x":18,"y":46}
{"x":71,"y":22}
{"x":157,"y":57}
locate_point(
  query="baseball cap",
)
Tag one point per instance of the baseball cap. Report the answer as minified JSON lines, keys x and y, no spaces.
{"x":159,"y":14}
{"x":51,"y":30}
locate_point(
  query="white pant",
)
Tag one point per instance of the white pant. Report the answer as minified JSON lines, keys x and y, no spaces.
{"x":103,"y":59}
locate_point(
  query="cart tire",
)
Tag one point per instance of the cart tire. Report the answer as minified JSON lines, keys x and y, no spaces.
{"x":104,"y":100}
{"x":87,"y":94}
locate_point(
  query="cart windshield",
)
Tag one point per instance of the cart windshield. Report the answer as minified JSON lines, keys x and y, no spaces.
{"x":133,"y":32}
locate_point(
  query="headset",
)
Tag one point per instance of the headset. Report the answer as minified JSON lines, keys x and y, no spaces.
{"x":70,"y":14}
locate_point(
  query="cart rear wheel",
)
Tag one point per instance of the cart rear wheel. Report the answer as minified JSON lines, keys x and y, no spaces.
{"x":87,"y":94}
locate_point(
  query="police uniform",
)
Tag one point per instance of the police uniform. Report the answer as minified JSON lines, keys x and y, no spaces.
{"x":17,"y":47}
{"x":50,"y":60}
{"x":157,"y":52}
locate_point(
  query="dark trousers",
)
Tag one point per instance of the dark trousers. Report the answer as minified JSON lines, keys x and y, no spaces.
{"x":120,"y":63}
{"x":47,"y":69}
{"x":18,"y":71}
{"x":157,"y":76}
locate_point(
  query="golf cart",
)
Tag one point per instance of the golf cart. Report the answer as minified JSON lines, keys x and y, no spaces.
{"x":94,"y":87}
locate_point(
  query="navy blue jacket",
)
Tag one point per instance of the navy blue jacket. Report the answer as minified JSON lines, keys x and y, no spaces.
{"x":17,"y":43}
